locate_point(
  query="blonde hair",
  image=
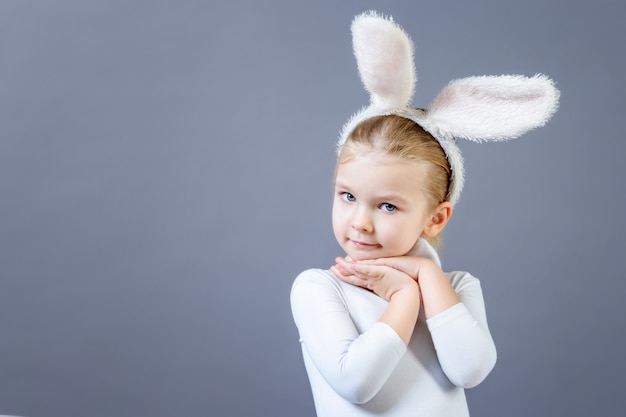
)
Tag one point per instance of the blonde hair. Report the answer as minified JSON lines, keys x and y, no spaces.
{"x":403,"y":138}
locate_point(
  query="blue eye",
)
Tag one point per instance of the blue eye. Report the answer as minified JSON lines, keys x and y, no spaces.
{"x":388,"y":207}
{"x":348,"y":197}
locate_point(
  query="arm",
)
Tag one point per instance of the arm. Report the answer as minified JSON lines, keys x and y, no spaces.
{"x":461,"y":335}
{"x":455,"y":316}
{"x":436,"y":290}
{"x":393,"y":285}
{"x":355,"y":365}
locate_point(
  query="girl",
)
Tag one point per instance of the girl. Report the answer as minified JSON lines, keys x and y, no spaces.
{"x":385,"y":331}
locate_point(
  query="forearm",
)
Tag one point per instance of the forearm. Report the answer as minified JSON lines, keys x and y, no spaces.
{"x":355,"y":364}
{"x":465,"y":349}
{"x":438,"y":295}
{"x":461,"y":335}
{"x":402,"y":312}
{"x":397,"y":287}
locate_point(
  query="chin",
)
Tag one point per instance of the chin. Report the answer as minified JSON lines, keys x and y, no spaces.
{"x":364,"y":255}
{"x":360,"y":256}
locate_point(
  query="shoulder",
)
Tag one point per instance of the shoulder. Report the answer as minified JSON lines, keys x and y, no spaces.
{"x":313,"y":276}
{"x":315,"y":289}
{"x":314,"y":282}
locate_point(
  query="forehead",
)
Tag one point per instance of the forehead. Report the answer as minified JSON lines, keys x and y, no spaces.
{"x":377,"y":172}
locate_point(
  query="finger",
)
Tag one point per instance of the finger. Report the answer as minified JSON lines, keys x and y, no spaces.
{"x":363,"y":270}
{"x":350,"y":268}
{"x":350,"y":279}
{"x":346,"y":260}
{"x":401,"y":263}
{"x":392,"y":262}
{"x":369,"y":271}
{"x":338,"y":270}
{"x":346,"y":265}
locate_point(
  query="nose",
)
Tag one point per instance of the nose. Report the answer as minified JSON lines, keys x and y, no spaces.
{"x":362,"y":222}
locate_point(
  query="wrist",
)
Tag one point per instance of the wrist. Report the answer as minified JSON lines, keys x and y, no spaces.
{"x":427,"y":270}
{"x":407,"y":293}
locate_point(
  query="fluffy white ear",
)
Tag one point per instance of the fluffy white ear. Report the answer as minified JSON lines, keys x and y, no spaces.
{"x":384,"y":55}
{"x":494,"y":107}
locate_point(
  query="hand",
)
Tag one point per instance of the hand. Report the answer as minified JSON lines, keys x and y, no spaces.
{"x":383,"y":280}
{"x":410,"y":265}
{"x":435,"y":287}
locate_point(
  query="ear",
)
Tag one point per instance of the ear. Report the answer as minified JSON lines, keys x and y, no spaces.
{"x":384,"y":55}
{"x":494,"y":108}
{"x":438,"y":220}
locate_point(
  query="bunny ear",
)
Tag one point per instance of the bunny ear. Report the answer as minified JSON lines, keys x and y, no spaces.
{"x":494,"y":108}
{"x":384,"y":55}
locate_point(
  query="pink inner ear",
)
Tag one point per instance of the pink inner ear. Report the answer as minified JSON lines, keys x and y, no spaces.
{"x":384,"y":56}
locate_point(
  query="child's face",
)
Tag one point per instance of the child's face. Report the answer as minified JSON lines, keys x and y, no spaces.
{"x":380,"y":207}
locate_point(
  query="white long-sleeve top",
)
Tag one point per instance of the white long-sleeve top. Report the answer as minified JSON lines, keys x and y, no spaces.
{"x":358,"y":366}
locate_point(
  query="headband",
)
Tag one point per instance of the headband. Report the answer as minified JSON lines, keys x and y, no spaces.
{"x":484,"y":108}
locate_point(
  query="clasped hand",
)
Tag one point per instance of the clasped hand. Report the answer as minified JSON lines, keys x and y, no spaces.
{"x":382,"y":276}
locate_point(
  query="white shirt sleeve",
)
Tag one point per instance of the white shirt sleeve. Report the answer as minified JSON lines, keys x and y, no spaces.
{"x":461,"y":337}
{"x":355,"y":365}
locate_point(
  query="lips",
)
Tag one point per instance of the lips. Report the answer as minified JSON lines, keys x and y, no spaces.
{"x":364,"y":245}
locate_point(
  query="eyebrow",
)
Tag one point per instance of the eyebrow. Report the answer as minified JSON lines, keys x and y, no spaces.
{"x":339,"y":184}
{"x":394,"y":198}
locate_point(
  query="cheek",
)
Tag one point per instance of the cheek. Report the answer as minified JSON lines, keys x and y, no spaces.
{"x":336,"y":218}
{"x":401,"y":233}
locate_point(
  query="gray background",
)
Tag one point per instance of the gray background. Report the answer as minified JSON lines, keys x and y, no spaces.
{"x":165,"y":173}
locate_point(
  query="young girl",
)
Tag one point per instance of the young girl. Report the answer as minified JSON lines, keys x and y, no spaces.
{"x":385,"y":331}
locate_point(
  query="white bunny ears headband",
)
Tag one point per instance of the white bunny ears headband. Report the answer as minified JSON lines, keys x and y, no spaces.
{"x":489,"y":108}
